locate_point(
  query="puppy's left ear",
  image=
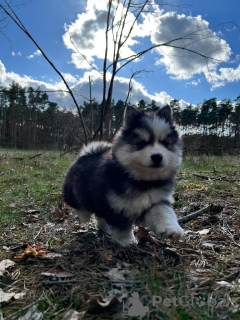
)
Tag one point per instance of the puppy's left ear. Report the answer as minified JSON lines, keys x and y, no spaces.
{"x":165,"y":112}
{"x":129,"y":113}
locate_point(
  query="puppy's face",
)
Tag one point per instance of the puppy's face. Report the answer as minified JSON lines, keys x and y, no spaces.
{"x":148,"y":145}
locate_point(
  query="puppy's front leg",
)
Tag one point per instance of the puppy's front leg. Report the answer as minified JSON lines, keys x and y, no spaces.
{"x":162,"y":220}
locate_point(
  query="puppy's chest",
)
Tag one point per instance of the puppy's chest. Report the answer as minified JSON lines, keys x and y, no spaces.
{"x":133,"y":202}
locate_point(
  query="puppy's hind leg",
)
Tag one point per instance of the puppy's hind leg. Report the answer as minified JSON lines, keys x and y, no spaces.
{"x":83,"y":215}
{"x":124,"y":237}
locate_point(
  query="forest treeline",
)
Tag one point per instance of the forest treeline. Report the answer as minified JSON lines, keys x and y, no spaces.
{"x":29,"y":120}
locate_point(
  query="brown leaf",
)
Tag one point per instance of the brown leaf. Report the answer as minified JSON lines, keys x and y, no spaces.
{"x":33,"y":250}
{"x":57,"y":214}
{"x":144,"y":236}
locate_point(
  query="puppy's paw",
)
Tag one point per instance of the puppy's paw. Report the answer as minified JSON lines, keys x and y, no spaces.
{"x":124,"y":242}
{"x":170,"y":230}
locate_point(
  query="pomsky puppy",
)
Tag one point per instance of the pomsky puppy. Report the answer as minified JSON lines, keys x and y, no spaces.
{"x":129,"y":182}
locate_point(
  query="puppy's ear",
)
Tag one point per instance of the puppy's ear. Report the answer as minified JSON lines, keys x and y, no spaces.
{"x":166,"y":113}
{"x":129,"y":114}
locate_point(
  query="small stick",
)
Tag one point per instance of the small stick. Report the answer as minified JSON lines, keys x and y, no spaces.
{"x":201,"y":176}
{"x":193,"y":215}
{"x":36,"y":155}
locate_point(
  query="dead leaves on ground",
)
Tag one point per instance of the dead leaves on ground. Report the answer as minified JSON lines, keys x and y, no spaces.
{"x":37,"y":251}
{"x":205,"y":245}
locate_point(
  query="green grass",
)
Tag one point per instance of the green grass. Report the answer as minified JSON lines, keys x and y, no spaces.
{"x":30,"y":183}
{"x":210,"y":163}
{"x":36,"y":183}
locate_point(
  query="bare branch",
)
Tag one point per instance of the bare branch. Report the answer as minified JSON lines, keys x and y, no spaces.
{"x":166,"y":44}
{"x":84,"y":57}
{"x":135,"y":20}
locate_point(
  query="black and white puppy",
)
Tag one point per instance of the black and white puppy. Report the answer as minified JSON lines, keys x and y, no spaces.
{"x":129,"y":182}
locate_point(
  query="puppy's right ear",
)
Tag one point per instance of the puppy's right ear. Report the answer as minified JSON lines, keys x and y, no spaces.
{"x":129,"y":114}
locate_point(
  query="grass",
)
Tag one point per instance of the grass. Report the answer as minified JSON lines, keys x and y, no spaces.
{"x":29,"y":184}
{"x":192,"y":268}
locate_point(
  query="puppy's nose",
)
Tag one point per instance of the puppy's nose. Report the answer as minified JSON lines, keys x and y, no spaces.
{"x":156,"y":158}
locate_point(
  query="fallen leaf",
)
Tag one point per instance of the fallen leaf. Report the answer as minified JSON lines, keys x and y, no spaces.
{"x":5,"y":297}
{"x":32,"y":313}
{"x":38,"y":251}
{"x":33,"y":211}
{"x":117,"y":274}
{"x":203,"y":188}
{"x":57,"y":214}
{"x":4,"y":264}
{"x":20,"y":295}
{"x":143,"y":235}
{"x":204,"y":231}
{"x":73,"y":315}
{"x":60,"y":274}
{"x":208,"y":244}
{"x":225,"y":284}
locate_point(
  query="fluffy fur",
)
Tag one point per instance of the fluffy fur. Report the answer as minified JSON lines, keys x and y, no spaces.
{"x":130,"y":181}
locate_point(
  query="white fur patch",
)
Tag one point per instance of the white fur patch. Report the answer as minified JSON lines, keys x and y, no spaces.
{"x":162,"y":220}
{"x":133,"y":205}
{"x":94,"y":147}
{"x":160,"y":127}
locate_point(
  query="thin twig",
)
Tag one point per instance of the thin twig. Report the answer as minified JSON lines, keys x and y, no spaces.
{"x":193,"y":215}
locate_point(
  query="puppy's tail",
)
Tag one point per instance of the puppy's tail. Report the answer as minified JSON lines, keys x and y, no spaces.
{"x":95,"y":147}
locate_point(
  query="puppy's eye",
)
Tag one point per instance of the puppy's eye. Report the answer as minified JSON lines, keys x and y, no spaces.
{"x":165,"y":143}
{"x":141,"y":145}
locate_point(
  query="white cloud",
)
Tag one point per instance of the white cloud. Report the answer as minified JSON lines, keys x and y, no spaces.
{"x":193,"y":83}
{"x":87,"y":33}
{"x":35,"y":54}
{"x":193,"y":33}
{"x":223,"y":76}
{"x":69,"y":78}
{"x":2,"y":73}
{"x":6,"y":78}
{"x":120,"y":89}
{"x":18,"y":53}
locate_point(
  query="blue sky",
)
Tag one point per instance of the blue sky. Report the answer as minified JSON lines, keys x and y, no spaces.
{"x":174,"y":73}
